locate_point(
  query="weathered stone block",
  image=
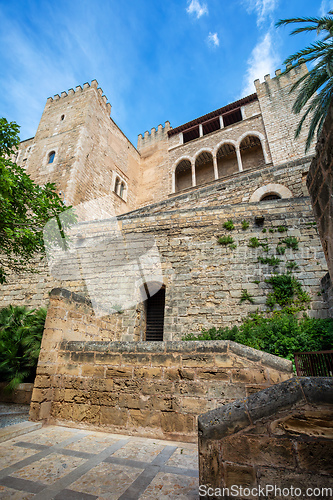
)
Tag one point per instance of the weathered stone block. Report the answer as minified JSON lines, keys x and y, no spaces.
{"x":259,"y":450}
{"x":114,"y":373}
{"x":86,"y":413}
{"x":107,"y":358}
{"x":177,"y":422}
{"x":147,"y":373}
{"x":239,"y":475}
{"x":144,"y":418}
{"x":113,"y":416}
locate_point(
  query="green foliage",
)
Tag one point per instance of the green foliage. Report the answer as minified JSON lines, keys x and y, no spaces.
{"x":282,"y":229}
{"x":229,"y":225}
{"x":280,"y":250}
{"x":233,"y":246}
{"x":291,"y":242}
{"x":225,"y":240}
{"x":20,"y":337}
{"x":25,"y":208}
{"x":292,"y":266}
{"x":246,"y":296}
{"x":254,"y":242}
{"x":256,"y":282}
{"x":282,"y":334}
{"x":271,"y":261}
{"x":315,"y":88}
{"x":245,"y":224}
{"x":264,"y":230}
{"x":271,"y":230}
{"x":286,"y":291}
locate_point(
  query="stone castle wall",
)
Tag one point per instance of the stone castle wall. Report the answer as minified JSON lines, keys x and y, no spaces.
{"x":203,"y":279}
{"x":155,"y":389}
{"x":320,"y":185}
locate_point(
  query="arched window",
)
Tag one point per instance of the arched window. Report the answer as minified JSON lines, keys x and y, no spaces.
{"x":183,"y":175}
{"x":270,"y":191}
{"x":204,"y":168}
{"x":51,"y":157}
{"x":227,"y":163}
{"x":121,"y":190}
{"x":251,"y":152}
{"x":271,"y":196}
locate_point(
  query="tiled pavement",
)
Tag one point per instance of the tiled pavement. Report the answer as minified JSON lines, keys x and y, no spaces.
{"x":75,"y":464}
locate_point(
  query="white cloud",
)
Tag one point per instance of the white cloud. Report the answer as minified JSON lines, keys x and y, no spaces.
{"x":197,"y":9}
{"x":325,"y":6}
{"x":263,"y":8}
{"x":213,"y":40}
{"x":263,"y":60}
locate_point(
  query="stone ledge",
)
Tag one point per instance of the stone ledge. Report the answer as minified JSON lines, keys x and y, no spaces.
{"x":62,"y":293}
{"x":196,"y":347}
{"x":238,"y":415}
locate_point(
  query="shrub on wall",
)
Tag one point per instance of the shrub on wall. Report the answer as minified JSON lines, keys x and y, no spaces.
{"x":282,"y":334}
{"x":21,"y":334}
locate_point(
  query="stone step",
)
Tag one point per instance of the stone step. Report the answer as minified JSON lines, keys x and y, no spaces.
{"x":15,"y":430}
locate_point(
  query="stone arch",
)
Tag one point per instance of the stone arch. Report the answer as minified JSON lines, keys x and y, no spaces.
{"x":263,"y":140}
{"x":204,"y":167}
{"x":270,"y":189}
{"x":226,"y":158}
{"x":251,"y":151}
{"x":183,"y":174}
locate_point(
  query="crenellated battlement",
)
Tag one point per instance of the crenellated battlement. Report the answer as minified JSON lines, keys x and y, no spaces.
{"x":80,"y":89}
{"x":280,"y":80}
{"x":154,"y":135}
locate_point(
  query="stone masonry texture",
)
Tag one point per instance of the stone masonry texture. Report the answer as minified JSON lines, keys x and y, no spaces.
{"x":280,"y":436}
{"x":85,"y":375}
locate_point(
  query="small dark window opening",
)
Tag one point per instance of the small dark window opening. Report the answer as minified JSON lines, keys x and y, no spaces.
{"x":62,"y":117}
{"x":155,"y":316}
{"x":191,"y":134}
{"x":271,"y":196}
{"x":211,"y":126}
{"x":117,"y":184}
{"x":51,"y":157}
{"x":122,"y":189}
{"x":232,"y":117}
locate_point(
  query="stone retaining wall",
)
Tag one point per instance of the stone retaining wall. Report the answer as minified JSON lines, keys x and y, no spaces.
{"x":281,"y":436}
{"x":21,"y":395}
{"x":148,"y":388}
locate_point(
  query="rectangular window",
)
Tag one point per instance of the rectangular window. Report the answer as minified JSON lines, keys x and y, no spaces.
{"x":232,"y":117}
{"x":191,"y":134}
{"x":211,"y":126}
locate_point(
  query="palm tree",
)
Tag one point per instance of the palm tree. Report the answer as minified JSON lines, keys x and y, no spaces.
{"x":315,"y":88}
{"x":21,"y":333}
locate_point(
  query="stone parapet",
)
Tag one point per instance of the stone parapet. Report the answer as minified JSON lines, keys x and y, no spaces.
{"x":280,"y":436}
{"x":146,"y":388}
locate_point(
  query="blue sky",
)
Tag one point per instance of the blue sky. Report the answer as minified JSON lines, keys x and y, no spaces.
{"x":155,"y":60}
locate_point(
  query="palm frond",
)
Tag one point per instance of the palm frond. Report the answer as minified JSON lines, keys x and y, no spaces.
{"x":315,"y":88}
